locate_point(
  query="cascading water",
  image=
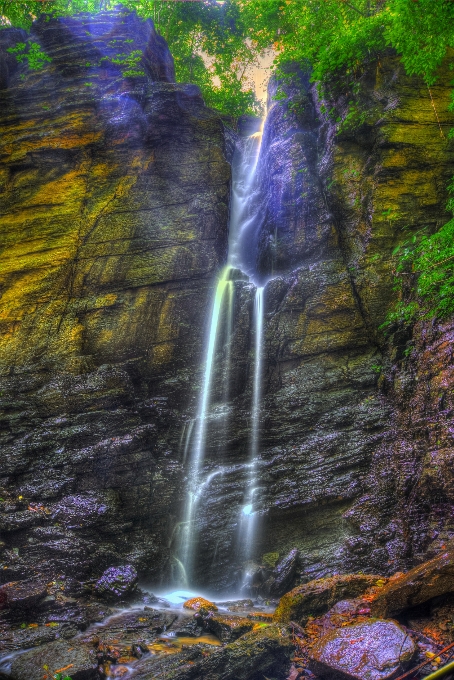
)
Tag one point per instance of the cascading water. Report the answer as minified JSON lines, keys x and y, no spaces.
{"x":241,"y":257}
{"x":248,"y":520}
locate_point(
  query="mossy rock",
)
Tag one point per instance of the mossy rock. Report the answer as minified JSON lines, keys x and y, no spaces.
{"x":317,"y":597}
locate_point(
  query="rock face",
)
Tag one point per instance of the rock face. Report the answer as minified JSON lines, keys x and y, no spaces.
{"x":375,"y":650}
{"x":330,"y":480}
{"x":114,"y":195}
{"x":115,"y":191}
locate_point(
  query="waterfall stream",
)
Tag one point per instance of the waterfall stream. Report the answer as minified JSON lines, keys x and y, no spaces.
{"x":240,"y":261}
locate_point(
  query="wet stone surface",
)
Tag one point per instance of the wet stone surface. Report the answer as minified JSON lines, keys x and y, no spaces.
{"x":22,"y":594}
{"x":75,"y":658}
{"x":318,"y":596}
{"x":229,"y":628}
{"x":116,"y":582}
{"x":373,"y":650}
{"x":431,"y":579}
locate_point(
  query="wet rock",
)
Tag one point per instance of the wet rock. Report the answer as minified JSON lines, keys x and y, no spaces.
{"x":85,"y":449}
{"x":229,"y":628}
{"x":148,"y":621}
{"x":264,"y":652}
{"x":117,"y":582}
{"x":428,"y":580}
{"x":236,"y":605}
{"x":188,"y":626}
{"x":34,"y":636}
{"x":283,"y":576}
{"x":74,"y":658}
{"x":374,"y":650}
{"x":316,"y":597}
{"x":22,"y":594}
{"x":198,"y":603}
{"x":157,"y":667}
{"x":254,"y":578}
{"x":268,"y":617}
{"x":78,"y":614}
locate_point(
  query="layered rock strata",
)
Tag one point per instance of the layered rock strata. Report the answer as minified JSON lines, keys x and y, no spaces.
{"x":335,"y":202}
{"x":115,"y":194}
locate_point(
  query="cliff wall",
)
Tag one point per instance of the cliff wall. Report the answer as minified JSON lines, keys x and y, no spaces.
{"x":114,"y":223}
{"x":338,"y":200}
{"x":114,"y":209}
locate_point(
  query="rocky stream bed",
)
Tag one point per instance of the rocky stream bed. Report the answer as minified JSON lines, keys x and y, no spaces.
{"x":357,"y":626}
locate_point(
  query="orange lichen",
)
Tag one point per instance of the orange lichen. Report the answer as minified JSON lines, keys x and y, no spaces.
{"x":197,"y":603}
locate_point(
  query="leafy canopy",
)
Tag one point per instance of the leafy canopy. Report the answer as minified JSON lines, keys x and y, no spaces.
{"x":334,"y":34}
{"x":215,"y":44}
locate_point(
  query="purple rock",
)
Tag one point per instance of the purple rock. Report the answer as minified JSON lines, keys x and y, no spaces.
{"x":117,"y":582}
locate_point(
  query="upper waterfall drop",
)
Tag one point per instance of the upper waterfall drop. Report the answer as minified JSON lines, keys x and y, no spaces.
{"x":243,"y":215}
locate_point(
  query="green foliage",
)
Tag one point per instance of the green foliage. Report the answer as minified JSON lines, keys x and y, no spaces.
{"x":215,"y":45}
{"x":341,"y":34}
{"x":429,"y":260}
{"x":129,"y":63}
{"x":208,"y":42}
{"x":31,"y":53}
{"x":209,"y":47}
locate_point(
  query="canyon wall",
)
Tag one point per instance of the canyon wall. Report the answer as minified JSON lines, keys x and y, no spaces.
{"x":114,"y":207}
{"x":348,"y":424}
{"x":115,"y":187}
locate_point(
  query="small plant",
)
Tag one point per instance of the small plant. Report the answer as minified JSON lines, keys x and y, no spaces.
{"x":31,"y":53}
{"x":354,"y":118}
{"x":427,"y":259}
{"x":129,"y":63}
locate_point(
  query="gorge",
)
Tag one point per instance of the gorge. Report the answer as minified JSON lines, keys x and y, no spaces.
{"x":195,"y":379}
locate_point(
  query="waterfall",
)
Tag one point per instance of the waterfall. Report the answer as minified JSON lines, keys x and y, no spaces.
{"x":240,"y":257}
{"x":199,"y":444}
{"x":257,"y":387}
{"x":247,"y":527}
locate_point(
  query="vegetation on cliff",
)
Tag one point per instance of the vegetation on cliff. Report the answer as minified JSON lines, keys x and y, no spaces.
{"x":215,"y":45}
{"x":428,"y":261}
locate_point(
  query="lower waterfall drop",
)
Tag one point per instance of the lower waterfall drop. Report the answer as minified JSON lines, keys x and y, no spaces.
{"x":248,"y":519}
{"x":197,"y":452}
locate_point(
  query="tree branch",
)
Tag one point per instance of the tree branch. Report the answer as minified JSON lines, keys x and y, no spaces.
{"x":354,"y":8}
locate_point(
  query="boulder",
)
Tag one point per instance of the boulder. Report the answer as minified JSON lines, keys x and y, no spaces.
{"x":428,"y":580}
{"x":22,"y":594}
{"x":197,"y":603}
{"x":117,"y":582}
{"x":71,"y":658}
{"x":229,"y":628}
{"x":317,"y":597}
{"x":265,"y":652}
{"x":373,"y":650}
{"x":283,"y":576}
